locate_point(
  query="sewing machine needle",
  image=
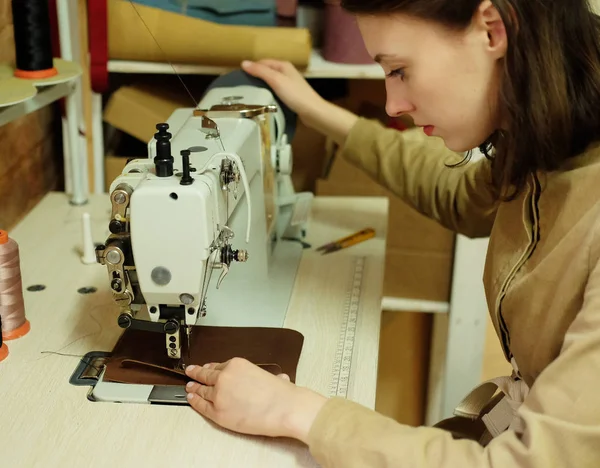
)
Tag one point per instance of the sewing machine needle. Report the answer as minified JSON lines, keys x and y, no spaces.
{"x":188,"y":331}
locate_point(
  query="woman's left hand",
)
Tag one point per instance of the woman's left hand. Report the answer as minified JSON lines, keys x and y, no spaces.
{"x":242,"y":397}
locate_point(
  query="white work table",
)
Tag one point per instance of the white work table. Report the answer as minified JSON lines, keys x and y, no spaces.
{"x":48,"y":422}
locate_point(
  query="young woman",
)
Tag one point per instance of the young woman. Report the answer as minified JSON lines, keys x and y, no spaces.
{"x":521,"y":79}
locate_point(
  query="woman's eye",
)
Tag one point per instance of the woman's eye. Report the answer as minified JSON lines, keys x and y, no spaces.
{"x":397,"y":72}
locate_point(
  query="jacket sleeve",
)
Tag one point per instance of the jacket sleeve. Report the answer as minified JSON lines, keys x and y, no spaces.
{"x":560,"y":416}
{"x":415,"y":168}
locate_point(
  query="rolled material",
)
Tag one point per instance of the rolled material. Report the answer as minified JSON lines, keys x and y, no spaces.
{"x":195,"y":41}
{"x":287,"y":8}
{"x":342,"y":42}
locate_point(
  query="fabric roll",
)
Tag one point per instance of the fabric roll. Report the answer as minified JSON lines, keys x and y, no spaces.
{"x":342,"y":42}
{"x":195,"y":41}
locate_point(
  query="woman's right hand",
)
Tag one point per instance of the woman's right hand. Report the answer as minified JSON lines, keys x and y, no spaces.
{"x":288,"y":83}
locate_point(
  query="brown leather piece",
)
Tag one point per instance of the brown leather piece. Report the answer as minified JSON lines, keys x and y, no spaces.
{"x":140,"y":357}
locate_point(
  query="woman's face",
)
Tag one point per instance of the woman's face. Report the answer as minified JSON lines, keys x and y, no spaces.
{"x":447,"y":81}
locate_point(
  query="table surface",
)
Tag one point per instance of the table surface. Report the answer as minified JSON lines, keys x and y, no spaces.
{"x":48,"y":422}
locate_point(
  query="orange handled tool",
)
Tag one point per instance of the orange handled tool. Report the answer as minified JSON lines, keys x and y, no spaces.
{"x":348,"y":241}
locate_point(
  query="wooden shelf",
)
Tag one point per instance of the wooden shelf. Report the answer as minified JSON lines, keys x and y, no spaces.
{"x":318,"y":68}
{"x":19,"y":97}
{"x":44,"y":97}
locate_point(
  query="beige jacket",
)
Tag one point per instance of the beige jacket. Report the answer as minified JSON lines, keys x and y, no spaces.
{"x":542,"y":283}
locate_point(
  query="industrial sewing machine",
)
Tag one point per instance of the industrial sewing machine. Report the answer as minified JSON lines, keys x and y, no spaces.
{"x":214,"y":196}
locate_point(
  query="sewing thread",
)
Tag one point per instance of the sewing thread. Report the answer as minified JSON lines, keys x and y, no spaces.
{"x":33,"y":40}
{"x":12,"y":304}
{"x":3,"y":347}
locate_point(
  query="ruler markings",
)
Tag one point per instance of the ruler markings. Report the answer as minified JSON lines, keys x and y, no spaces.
{"x":342,"y":364}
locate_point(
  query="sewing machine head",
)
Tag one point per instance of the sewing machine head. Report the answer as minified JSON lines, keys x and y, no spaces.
{"x":214,"y":194}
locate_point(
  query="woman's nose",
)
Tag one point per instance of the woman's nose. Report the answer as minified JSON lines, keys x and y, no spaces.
{"x":397,"y":107}
{"x":397,"y":103}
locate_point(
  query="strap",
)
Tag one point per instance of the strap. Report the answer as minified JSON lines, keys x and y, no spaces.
{"x":472,"y":405}
{"x":503,"y":415}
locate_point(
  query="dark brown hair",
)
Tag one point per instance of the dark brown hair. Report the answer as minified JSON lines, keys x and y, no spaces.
{"x":550,"y":92}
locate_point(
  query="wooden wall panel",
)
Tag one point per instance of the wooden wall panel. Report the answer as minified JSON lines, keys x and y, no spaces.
{"x":30,"y":152}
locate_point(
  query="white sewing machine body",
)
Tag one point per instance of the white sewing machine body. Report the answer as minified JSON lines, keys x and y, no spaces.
{"x":231,"y":209}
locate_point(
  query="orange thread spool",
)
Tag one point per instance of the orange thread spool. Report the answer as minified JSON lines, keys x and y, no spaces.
{"x":12,"y":304}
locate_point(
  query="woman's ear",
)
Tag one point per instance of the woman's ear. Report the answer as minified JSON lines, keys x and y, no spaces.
{"x":488,"y":18}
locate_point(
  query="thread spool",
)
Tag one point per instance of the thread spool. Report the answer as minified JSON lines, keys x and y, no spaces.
{"x":12,"y":304}
{"x":33,"y":39}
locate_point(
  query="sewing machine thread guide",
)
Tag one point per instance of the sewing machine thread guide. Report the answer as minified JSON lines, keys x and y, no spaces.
{"x":343,"y":356}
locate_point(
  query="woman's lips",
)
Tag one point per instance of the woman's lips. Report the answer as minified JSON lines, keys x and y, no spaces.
{"x":428,"y":129}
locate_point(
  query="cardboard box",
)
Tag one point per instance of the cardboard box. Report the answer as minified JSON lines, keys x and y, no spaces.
{"x":113,"y":166}
{"x":407,"y":228}
{"x":419,"y":251}
{"x":402,"y":370}
{"x":137,"y":109}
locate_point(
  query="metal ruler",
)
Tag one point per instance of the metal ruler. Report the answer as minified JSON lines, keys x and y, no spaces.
{"x":343,"y":357}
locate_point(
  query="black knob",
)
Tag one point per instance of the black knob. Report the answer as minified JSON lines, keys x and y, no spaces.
{"x":116,"y":227}
{"x":171,"y":327}
{"x":116,"y":284}
{"x":163,"y":161}
{"x":124,"y":321}
{"x":186,"y":179}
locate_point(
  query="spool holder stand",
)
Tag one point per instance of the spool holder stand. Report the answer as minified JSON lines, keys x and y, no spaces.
{"x":21,"y":96}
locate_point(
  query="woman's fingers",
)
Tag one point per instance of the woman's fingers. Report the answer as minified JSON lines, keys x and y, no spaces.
{"x":204,"y":375}
{"x":202,"y":406}
{"x":207,"y":393}
{"x":280,"y":66}
{"x":276,"y":65}
{"x":264,"y":72}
